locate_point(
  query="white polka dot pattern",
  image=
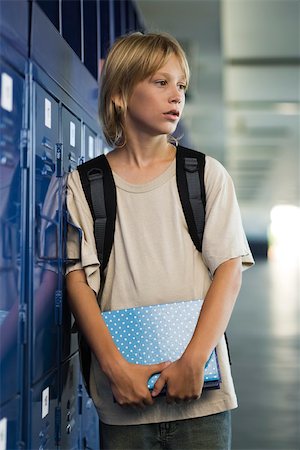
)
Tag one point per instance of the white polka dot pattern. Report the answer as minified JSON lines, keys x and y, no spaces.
{"x":152,"y":334}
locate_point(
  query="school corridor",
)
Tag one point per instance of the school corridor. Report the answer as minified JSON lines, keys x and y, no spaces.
{"x":265,"y":337}
{"x":242,"y":108}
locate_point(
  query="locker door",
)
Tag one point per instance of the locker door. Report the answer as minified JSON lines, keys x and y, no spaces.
{"x":70,"y":418}
{"x":46,"y":236}
{"x":11,"y":180}
{"x":44,"y":414}
{"x":9,"y":424}
{"x":71,"y":133}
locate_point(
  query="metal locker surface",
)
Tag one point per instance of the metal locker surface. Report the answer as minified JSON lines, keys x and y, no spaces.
{"x":70,"y":404}
{"x":46,"y":263}
{"x":11,"y":89}
{"x":14,"y":23}
{"x":10,"y":424}
{"x":89,"y":422}
{"x":71,"y":132}
{"x":44,"y":414}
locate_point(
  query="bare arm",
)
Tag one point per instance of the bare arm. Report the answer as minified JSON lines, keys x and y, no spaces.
{"x":184,"y":376}
{"x":217,"y":309}
{"x":128,"y":381}
{"x":84,"y":306}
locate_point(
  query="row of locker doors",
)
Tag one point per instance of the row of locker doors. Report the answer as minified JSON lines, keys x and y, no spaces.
{"x":43,"y":401}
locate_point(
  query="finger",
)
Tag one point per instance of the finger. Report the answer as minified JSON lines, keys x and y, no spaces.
{"x":157,"y":368}
{"x":159,"y":385}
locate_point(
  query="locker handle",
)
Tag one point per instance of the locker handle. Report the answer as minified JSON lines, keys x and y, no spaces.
{"x":47,"y":170}
{"x":72,"y":157}
{"x":47,"y":143}
{"x":46,"y":156}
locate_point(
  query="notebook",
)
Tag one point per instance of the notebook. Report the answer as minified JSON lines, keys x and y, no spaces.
{"x":153,"y":334}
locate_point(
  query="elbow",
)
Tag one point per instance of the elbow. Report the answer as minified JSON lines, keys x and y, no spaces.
{"x":231,"y":273}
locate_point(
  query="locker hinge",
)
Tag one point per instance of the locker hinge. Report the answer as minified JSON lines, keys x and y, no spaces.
{"x":58,"y":307}
{"x":80,"y":399}
{"x":24,"y":139}
{"x":57,"y":425}
{"x":58,"y":150}
{"x":22,"y":324}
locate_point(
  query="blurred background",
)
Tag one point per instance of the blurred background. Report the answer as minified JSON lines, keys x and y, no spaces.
{"x":243,"y":108}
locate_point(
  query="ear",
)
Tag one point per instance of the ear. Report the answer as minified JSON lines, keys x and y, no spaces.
{"x":118,"y":102}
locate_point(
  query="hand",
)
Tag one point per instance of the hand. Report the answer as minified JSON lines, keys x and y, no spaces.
{"x":129,"y":383}
{"x":184,"y":379}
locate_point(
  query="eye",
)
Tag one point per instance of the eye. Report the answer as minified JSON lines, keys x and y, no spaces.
{"x":161,"y":82}
{"x":182,"y":87}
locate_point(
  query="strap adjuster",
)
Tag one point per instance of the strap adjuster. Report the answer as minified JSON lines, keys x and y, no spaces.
{"x":191,"y":165}
{"x":94,"y":174}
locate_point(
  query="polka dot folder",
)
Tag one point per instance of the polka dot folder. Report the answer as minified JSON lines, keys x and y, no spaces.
{"x":153,"y":334}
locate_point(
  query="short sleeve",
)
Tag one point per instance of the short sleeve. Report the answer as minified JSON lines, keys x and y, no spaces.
{"x":224,"y":237}
{"x":82,"y":251}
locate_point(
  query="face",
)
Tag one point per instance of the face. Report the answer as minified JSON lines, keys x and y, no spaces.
{"x":157,"y":102}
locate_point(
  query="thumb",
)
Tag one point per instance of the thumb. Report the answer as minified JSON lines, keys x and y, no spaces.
{"x":159,"y":385}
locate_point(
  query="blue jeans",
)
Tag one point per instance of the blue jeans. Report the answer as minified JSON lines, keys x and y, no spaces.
{"x":203,"y":433}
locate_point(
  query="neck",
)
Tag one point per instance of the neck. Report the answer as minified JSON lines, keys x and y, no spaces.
{"x":142,"y":152}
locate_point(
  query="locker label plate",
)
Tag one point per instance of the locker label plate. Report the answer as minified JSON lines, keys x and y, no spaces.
{"x":3,"y":433}
{"x":45,"y":402}
{"x":6,"y":92}
{"x":72,"y":134}
{"x":47,"y":113}
{"x":91,"y":147}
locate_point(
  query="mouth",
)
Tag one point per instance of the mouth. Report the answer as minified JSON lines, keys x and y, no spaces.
{"x":172,"y":114}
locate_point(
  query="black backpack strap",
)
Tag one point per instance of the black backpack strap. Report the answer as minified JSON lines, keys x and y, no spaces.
{"x":190,"y":166}
{"x":100,"y":191}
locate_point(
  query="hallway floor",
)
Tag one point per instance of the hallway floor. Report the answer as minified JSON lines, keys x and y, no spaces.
{"x":264,"y":340}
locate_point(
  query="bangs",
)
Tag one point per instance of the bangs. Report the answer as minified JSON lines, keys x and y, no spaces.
{"x":151,"y":55}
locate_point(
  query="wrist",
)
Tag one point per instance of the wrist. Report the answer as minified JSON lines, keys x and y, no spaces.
{"x":196,"y":355}
{"x":112,"y":364}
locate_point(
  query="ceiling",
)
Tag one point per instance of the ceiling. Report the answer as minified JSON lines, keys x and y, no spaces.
{"x":243,"y":105}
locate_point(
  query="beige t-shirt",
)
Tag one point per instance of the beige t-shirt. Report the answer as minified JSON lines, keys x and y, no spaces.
{"x":154,"y":260}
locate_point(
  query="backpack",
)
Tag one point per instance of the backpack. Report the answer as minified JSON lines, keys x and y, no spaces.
{"x":100,"y":191}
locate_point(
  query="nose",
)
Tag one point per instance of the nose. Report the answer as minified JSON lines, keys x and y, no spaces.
{"x":176,"y":99}
{"x":176,"y":95}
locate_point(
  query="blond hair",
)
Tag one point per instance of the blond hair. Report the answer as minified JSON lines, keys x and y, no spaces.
{"x":132,"y":58}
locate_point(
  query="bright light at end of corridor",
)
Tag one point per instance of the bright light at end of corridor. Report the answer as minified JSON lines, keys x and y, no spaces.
{"x":284,"y":232}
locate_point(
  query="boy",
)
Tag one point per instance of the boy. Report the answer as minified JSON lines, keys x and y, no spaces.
{"x":153,"y":259}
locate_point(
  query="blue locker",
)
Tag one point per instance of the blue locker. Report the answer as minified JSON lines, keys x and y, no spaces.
{"x":70,"y":404}
{"x":46,"y":234}
{"x":89,"y":422}
{"x":9,"y":424}
{"x":11,"y":180}
{"x":44,"y":414}
{"x":71,"y":136}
